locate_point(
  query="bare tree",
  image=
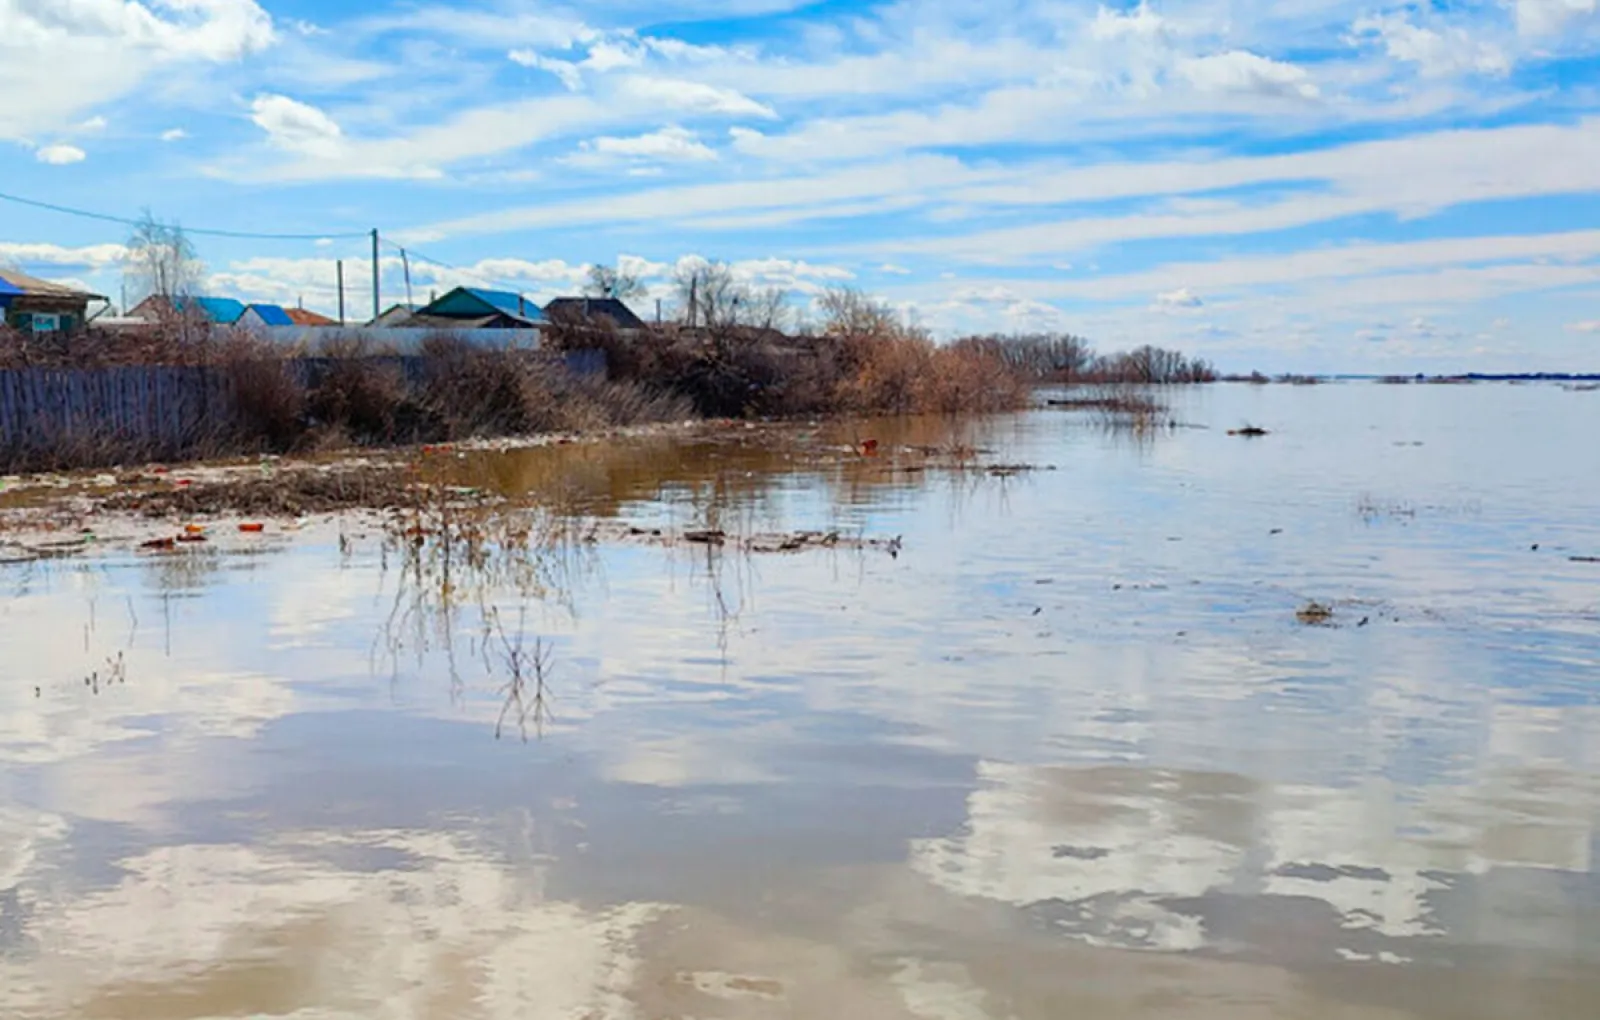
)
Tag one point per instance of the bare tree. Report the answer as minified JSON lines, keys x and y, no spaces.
{"x":767,"y":309}
{"x":613,"y":282}
{"x":848,"y":312}
{"x":161,"y":261}
{"x":709,"y":294}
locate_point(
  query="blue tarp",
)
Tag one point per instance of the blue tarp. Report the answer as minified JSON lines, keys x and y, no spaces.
{"x":8,"y":289}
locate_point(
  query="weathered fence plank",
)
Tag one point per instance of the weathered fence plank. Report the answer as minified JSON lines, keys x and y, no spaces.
{"x":51,"y":416}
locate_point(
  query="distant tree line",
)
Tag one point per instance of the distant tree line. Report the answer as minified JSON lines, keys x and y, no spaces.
{"x":1069,"y":360}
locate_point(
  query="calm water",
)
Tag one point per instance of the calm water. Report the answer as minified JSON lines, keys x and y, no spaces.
{"x":1070,"y":754}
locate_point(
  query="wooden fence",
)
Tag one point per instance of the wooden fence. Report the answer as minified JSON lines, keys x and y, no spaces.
{"x":54,"y":416}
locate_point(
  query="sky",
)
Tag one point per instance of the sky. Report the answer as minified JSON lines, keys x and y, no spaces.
{"x":1303,"y":185}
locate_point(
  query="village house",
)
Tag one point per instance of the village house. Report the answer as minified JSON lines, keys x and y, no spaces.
{"x":592,"y":311}
{"x":215,"y":310}
{"x":471,"y":308}
{"x":306,"y":317}
{"x":39,"y":306}
{"x":265,"y":315}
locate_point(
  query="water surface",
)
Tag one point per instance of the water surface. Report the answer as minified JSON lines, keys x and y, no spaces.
{"x":1069,"y":754}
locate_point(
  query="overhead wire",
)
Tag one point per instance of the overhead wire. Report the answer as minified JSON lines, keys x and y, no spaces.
{"x":242,"y":235}
{"x":418,"y":256}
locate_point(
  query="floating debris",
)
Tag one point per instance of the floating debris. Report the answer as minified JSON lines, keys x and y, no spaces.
{"x":1314,"y":614}
{"x":1249,"y":432}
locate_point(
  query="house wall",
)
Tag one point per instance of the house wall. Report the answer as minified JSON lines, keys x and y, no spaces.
{"x":44,"y":314}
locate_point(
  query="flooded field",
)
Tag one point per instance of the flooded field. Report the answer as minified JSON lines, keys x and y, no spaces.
{"x":1040,"y":726}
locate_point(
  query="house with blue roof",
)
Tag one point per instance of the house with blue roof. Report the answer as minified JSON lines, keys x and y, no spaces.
{"x":476,"y":308}
{"x":266,"y":315}
{"x":215,"y":310}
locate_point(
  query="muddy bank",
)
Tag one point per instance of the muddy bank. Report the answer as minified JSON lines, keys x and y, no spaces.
{"x":592,"y":483}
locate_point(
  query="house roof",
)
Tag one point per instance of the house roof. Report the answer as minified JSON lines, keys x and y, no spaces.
{"x":272,"y":315}
{"x":395,"y":315}
{"x":446,"y":323}
{"x":18,"y":283}
{"x":220,"y":310}
{"x":475,"y":302}
{"x":306,"y":317}
{"x":590,"y":308}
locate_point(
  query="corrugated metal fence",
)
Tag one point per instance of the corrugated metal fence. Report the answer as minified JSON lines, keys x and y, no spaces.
{"x":52,"y":415}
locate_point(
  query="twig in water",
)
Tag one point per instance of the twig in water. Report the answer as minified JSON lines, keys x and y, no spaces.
{"x":523,"y":665}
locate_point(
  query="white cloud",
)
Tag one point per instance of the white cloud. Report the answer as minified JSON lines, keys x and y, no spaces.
{"x":1183,"y":297}
{"x":95,"y":256}
{"x":1242,"y":72}
{"x":670,"y":144}
{"x":695,"y":97}
{"x":295,"y":126}
{"x":421,"y":153}
{"x":1591,"y":326}
{"x":60,"y":155}
{"x":174,"y":135}
{"x":1436,"y":54}
{"x":96,"y":123}
{"x":569,"y":73}
{"x":94,"y":51}
{"x":791,"y":274}
{"x":1549,"y":17}
{"x":894,"y":270}
{"x":608,"y":56}
{"x":1141,"y":23}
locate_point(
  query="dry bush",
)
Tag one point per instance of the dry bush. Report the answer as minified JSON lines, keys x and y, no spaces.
{"x":887,"y":367}
{"x":269,"y":401}
{"x":357,"y":397}
{"x":470,"y":391}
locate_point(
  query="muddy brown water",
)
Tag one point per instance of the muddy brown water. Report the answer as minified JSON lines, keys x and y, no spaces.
{"x":1071,"y":753}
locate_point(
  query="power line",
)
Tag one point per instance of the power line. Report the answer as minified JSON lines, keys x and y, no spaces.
{"x":417,"y":256}
{"x":240,"y":235}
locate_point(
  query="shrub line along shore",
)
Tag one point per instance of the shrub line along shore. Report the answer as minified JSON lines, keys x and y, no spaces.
{"x":187,"y":394}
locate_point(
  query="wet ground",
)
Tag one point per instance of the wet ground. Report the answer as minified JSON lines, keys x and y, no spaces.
{"x":1071,"y":748}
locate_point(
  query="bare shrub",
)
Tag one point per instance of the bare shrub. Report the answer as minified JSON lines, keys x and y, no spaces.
{"x":356,"y":396}
{"x":269,"y":402}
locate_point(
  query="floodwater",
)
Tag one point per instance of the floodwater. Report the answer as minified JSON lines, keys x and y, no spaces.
{"x":1070,"y":753}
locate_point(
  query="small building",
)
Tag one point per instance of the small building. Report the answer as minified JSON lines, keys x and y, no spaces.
{"x":215,"y":310}
{"x":40,"y":306}
{"x":395,"y":316}
{"x":475,"y":308}
{"x":265,"y":315}
{"x":306,"y":317}
{"x":592,"y":311}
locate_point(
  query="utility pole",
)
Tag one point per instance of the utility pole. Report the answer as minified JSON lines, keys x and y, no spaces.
{"x":341,"y":292}
{"x":406,"y":264}
{"x":377,"y":300}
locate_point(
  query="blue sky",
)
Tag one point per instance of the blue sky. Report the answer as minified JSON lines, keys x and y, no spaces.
{"x":1310,"y":185}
